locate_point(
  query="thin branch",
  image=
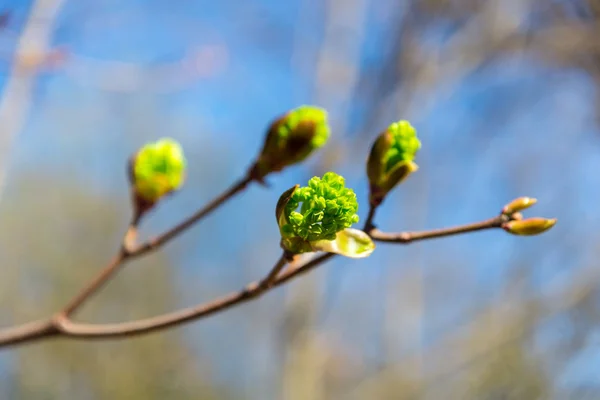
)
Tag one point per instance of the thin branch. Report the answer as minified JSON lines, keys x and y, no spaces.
{"x":51,"y":327}
{"x":251,"y":291}
{"x":128,"y":251}
{"x":409,"y":237}
{"x":303,"y":269}
{"x":61,"y":325}
{"x":111,"y":268}
{"x":187,"y":223}
{"x":368,"y":226}
{"x":96,"y":283}
{"x":19,"y":84}
{"x":268,"y":281}
{"x":28,"y":332}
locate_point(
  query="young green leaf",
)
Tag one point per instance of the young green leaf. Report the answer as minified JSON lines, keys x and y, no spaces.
{"x":349,"y":242}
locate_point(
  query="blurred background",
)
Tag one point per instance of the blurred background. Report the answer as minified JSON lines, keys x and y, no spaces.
{"x":504,"y":95}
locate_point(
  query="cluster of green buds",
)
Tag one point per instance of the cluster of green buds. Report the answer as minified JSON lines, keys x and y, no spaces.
{"x":290,"y":139}
{"x":318,"y":218}
{"x":528,"y":226}
{"x":391,"y":159}
{"x":155,"y":171}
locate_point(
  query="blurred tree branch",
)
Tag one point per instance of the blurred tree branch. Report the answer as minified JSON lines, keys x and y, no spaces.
{"x":16,"y":97}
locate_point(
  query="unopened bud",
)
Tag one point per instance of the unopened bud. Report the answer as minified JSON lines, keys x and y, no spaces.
{"x":391,"y":159}
{"x":518,"y":205}
{"x":156,"y":170}
{"x":291,"y":139}
{"x":529,"y":226}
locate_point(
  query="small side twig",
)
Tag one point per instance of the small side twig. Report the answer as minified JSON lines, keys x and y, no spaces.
{"x":129,"y":250}
{"x":99,"y":280}
{"x":187,"y":223}
{"x":368,"y":225}
{"x":271,"y":277}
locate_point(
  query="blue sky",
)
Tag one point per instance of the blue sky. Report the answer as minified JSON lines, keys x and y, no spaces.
{"x":515,"y":118}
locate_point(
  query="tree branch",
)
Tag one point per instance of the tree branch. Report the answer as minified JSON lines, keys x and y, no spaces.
{"x":28,"y":332}
{"x":95,"y":284}
{"x":61,"y":325}
{"x":251,"y":291}
{"x":187,"y":223}
{"x":128,"y":251}
{"x":268,"y":281}
{"x":409,"y":237}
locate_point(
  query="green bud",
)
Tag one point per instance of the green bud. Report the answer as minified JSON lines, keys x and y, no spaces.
{"x":518,"y":205}
{"x":292,"y":138}
{"x":391,"y":159}
{"x":529,"y":226}
{"x":308,"y":216}
{"x":157,"y":169}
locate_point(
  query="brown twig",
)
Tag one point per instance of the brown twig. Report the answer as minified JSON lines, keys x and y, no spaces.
{"x":62,"y":326}
{"x":95,"y":284}
{"x":162,"y":239}
{"x":408,"y":237}
{"x":28,"y":332}
{"x":128,"y":250}
{"x":252,"y":291}
{"x":111,"y":268}
{"x":268,"y":281}
{"x":368,"y":225}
